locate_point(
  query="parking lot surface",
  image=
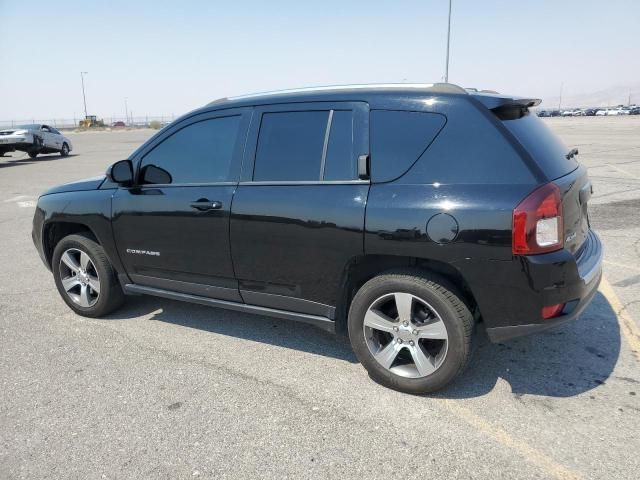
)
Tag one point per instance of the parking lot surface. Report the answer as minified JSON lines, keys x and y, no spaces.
{"x":163,"y":389}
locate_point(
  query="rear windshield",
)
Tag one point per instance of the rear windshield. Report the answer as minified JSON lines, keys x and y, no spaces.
{"x":542,"y":144}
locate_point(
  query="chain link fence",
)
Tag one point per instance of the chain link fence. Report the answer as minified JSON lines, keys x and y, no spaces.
{"x":70,"y":123}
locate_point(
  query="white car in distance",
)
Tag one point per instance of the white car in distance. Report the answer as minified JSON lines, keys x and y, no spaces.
{"x":34,"y":139}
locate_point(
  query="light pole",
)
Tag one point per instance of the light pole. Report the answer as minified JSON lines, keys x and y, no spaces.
{"x":560,"y":99}
{"x":84,"y":98}
{"x":126,"y":110}
{"x":446,"y":69}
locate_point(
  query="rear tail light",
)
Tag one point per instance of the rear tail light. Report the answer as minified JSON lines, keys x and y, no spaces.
{"x":552,"y":310}
{"x":537,"y":222}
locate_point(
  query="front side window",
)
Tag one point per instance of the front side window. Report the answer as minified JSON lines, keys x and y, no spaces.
{"x":199,"y":153}
{"x":305,"y":146}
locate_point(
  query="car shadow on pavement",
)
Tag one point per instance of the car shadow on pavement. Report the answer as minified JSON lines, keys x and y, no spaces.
{"x":256,"y":328}
{"x":26,"y":160}
{"x":563,"y":362}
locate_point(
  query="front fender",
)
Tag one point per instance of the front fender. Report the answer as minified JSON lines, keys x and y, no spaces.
{"x":89,"y":209}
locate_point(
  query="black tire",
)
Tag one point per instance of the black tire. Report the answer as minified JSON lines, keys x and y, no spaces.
{"x":65,"y":150}
{"x":33,"y":153}
{"x":110,"y":297}
{"x":451,"y":308}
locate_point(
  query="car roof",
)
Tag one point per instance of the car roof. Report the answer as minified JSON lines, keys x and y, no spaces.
{"x":326,"y":92}
{"x":354,"y":92}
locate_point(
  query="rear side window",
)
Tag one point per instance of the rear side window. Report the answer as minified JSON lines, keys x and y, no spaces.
{"x":543,"y":145}
{"x":470,"y":149}
{"x":199,"y":153}
{"x":398,"y":138}
{"x":305,"y":146}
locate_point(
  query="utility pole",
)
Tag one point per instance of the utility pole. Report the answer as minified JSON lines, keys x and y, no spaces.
{"x":446,"y":69}
{"x":560,"y":99}
{"x":84,"y":98}
{"x":126,"y":110}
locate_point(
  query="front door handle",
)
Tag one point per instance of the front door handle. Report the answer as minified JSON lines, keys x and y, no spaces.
{"x":203,"y":204}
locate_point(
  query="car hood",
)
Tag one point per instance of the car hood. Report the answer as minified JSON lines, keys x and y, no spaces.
{"x":92,"y":183}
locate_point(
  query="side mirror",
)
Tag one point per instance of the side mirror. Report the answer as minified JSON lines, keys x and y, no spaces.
{"x":121,"y":173}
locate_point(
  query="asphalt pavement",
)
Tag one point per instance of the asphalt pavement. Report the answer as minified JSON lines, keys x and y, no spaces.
{"x":163,"y":389}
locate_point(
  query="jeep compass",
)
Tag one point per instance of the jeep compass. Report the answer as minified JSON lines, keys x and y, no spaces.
{"x":399,"y":215}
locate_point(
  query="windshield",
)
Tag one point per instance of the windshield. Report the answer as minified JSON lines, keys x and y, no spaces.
{"x":31,"y":126}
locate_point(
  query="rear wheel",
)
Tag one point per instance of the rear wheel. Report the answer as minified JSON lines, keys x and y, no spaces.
{"x":411,"y":332}
{"x":33,"y":153}
{"x":84,"y":277}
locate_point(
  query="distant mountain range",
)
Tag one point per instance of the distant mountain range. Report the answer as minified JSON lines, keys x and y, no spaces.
{"x":618,"y":95}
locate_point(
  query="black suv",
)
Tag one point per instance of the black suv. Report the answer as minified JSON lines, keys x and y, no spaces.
{"x":399,"y":215}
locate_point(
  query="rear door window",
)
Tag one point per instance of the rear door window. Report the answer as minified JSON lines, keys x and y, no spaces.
{"x":340,"y":161}
{"x":290,"y":146}
{"x":548,"y":151}
{"x":398,"y":139}
{"x":306,"y":146}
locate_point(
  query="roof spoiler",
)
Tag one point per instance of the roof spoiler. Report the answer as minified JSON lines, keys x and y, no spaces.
{"x":498,"y":101}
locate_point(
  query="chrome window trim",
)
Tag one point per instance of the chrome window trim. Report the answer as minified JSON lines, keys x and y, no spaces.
{"x":307,"y":182}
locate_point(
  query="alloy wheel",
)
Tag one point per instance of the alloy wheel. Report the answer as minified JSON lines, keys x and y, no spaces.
{"x":405,"y":335}
{"x":79,"y":277}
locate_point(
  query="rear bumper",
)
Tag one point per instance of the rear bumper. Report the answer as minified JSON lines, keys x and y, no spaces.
{"x":554,"y":278}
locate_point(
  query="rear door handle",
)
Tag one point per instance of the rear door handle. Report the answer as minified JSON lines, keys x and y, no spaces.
{"x":203,"y":205}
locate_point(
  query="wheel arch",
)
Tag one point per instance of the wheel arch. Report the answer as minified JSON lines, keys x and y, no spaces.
{"x":363,"y":268}
{"x":53,"y":232}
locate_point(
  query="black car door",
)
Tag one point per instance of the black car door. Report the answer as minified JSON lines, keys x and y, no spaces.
{"x":172,"y":226}
{"x":298,"y":214}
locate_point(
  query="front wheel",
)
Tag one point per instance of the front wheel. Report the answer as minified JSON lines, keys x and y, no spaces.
{"x":33,"y":153}
{"x":65,"y":150}
{"x":412,"y":332}
{"x":84,"y":277}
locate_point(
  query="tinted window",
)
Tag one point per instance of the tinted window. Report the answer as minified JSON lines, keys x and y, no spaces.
{"x":340,"y":162}
{"x":199,"y":153}
{"x":470,"y":149}
{"x":290,"y":146}
{"x":542,"y":144}
{"x":397,"y":140}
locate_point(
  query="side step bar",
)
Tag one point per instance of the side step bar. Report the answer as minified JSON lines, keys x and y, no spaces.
{"x":318,"y":321}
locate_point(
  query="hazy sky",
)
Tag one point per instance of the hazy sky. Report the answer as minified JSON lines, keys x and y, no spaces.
{"x":171,"y":57}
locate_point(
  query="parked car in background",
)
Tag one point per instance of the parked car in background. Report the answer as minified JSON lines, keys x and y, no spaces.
{"x":618,"y":111}
{"x":635,"y":110}
{"x":118,"y":124}
{"x":601,"y":112}
{"x":572,"y":113}
{"x":34,"y":139}
{"x":399,"y":215}
{"x":543,"y":113}
{"x":589,"y":112}
{"x":554,"y":113}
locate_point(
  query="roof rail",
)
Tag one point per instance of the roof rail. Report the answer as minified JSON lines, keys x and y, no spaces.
{"x":442,"y":86}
